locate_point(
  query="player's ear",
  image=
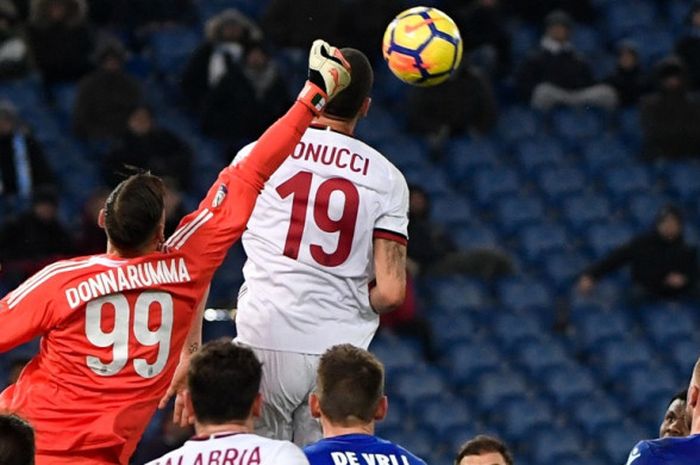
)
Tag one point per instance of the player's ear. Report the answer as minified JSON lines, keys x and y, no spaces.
{"x":314,"y":405}
{"x":256,"y":409}
{"x":101,"y":218}
{"x":364,"y":109}
{"x":382,"y":409}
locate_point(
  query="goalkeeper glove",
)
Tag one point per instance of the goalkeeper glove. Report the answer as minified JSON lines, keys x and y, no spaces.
{"x":329,"y":73}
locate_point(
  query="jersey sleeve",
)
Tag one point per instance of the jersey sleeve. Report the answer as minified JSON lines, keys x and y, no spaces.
{"x":206,"y":234}
{"x":289,"y":454}
{"x":641,"y":455}
{"x":27,"y":312}
{"x":392,"y":224}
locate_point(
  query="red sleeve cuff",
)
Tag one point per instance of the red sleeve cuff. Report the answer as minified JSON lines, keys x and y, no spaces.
{"x":390,"y":236}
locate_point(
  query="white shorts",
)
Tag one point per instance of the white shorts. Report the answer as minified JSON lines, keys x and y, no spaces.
{"x":288,"y":379}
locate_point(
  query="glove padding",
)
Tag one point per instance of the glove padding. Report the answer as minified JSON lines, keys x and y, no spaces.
{"x":329,"y":73}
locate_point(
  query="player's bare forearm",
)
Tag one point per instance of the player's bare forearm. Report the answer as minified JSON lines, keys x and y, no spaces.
{"x":194,"y":336}
{"x":390,"y":270}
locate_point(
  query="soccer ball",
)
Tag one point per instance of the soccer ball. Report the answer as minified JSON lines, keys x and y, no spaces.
{"x":422,"y":46}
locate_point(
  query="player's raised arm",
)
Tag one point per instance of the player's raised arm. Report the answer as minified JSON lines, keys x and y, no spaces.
{"x":222,"y":216}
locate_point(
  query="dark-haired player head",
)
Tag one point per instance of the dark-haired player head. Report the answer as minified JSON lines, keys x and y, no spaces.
{"x":348,"y":400}
{"x":675,"y":422}
{"x":484,"y":450}
{"x":224,"y":388}
{"x":134,"y":216}
{"x":16,"y":441}
{"x":343,"y":113}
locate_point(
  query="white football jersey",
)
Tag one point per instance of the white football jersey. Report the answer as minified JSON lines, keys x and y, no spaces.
{"x":234,"y":449}
{"x":310,"y":245}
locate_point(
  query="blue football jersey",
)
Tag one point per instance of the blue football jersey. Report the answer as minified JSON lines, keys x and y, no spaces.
{"x":359,"y":449}
{"x":667,"y":451}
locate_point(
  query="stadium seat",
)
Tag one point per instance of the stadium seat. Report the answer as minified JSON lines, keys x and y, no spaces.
{"x":444,"y":415}
{"x":419,"y":441}
{"x":469,"y":360}
{"x":542,"y":356}
{"x":557,"y":183}
{"x":451,"y":211}
{"x":653,"y":44}
{"x":514,"y":330}
{"x":630,"y":128}
{"x":449,"y":330}
{"x":554,"y":445}
{"x":517,"y":123}
{"x":594,"y":329}
{"x":626,"y":180}
{"x":625,"y":17}
{"x":518,"y":211}
{"x":495,"y":390}
{"x":642,"y":386}
{"x":379,"y":125}
{"x":172,"y":47}
{"x":575,"y":125}
{"x":523,"y":294}
{"x":475,"y":237}
{"x":684,"y":180}
{"x":464,"y":156}
{"x":569,"y":385}
{"x":602,"y":238}
{"x":456,"y":293}
{"x":419,"y":386}
{"x":523,"y":418}
{"x":490,"y":183}
{"x":643,"y":208}
{"x":536,"y":153}
{"x":684,"y":354}
{"x":617,"y":441}
{"x":603,"y":153}
{"x":668,"y":323}
{"x":563,"y":268}
{"x":430,"y":178}
{"x":582,"y":210}
{"x":619,"y":357}
{"x":586,"y":40}
{"x":540,"y":239}
{"x":595,"y":413}
{"x":404,"y":152}
{"x":396,"y":359}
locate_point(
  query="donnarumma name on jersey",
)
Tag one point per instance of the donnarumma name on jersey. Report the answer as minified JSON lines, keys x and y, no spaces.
{"x":124,"y":278}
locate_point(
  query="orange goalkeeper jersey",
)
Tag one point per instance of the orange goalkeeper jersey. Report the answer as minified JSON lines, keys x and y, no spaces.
{"x":113,"y":327}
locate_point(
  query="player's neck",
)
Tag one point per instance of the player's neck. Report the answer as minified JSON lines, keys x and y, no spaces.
{"x":338,"y":125}
{"x":112,"y":250}
{"x":208,"y":430}
{"x":331,"y":430}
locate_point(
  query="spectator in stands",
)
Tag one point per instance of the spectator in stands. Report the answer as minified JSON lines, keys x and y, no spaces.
{"x":228,"y":35}
{"x":106,"y":97}
{"x":34,"y":238}
{"x":151,"y":147}
{"x":23,"y":167}
{"x":688,"y":46}
{"x":670,"y":118}
{"x":662,"y":264}
{"x":535,"y":10}
{"x":60,"y":39}
{"x":247,"y":99}
{"x":174,"y":207}
{"x":484,"y":450}
{"x":675,"y":422}
{"x":16,"y":441}
{"x":463,"y":104}
{"x":92,"y":238}
{"x":171,"y":436}
{"x":16,"y":367}
{"x":483,"y":27}
{"x":556,"y":74}
{"x":297,"y":23}
{"x":628,"y":79}
{"x":14,"y":54}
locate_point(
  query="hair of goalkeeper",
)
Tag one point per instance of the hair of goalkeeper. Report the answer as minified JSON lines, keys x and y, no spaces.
{"x":348,"y":103}
{"x":16,"y":441}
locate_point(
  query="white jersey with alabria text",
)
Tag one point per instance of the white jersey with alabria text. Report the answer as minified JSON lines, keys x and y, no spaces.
{"x":234,"y":449}
{"x":310,"y":245}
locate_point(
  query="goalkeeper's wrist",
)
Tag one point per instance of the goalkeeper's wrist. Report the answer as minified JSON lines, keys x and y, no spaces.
{"x":313,"y":97}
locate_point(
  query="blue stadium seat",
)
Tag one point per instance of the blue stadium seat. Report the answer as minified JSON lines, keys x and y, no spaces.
{"x":595,"y":413}
{"x":468,"y":361}
{"x":554,"y":445}
{"x":684,"y":180}
{"x":677,"y":12}
{"x":431,"y":178}
{"x":475,"y":237}
{"x":212,"y":330}
{"x":396,"y":417}
{"x":626,"y":180}
{"x":172,"y":48}
{"x":604,"y":152}
{"x":495,"y":390}
{"x":536,"y":153}
{"x":523,"y":418}
{"x":444,"y":415}
{"x":630,"y":126}
{"x":419,"y":386}
{"x":587,"y":40}
{"x":517,"y":123}
{"x":569,"y":385}
{"x":404,"y":152}
{"x":625,"y":17}
{"x":684,"y":354}
{"x":668,"y":323}
{"x":583,"y":210}
{"x":563,"y":268}
{"x":621,"y":356}
{"x":457,"y":293}
{"x":514,"y":330}
{"x":396,"y":359}
{"x":524,"y":294}
{"x":542,"y":356}
{"x":596,"y":328}
{"x":449,"y":330}
{"x":490,"y":183}
{"x":653,"y":44}
{"x":540,"y":239}
{"x":602,"y":238}
{"x":643,"y":208}
{"x":642,"y":386}
{"x":575,"y":125}
{"x":617,"y":441}
{"x":451,"y":211}
{"x":557,"y":183}
{"x":464,"y":156}
{"x":421,"y":442}
{"x":379,"y":126}
{"x":518,"y":211}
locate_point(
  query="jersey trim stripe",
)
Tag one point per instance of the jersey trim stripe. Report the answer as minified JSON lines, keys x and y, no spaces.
{"x":184,"y":229}
{"x":40,"y":275}
{"x":194,"y":229}
{"x":390,"y":236}
{"x":15,"y":299}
